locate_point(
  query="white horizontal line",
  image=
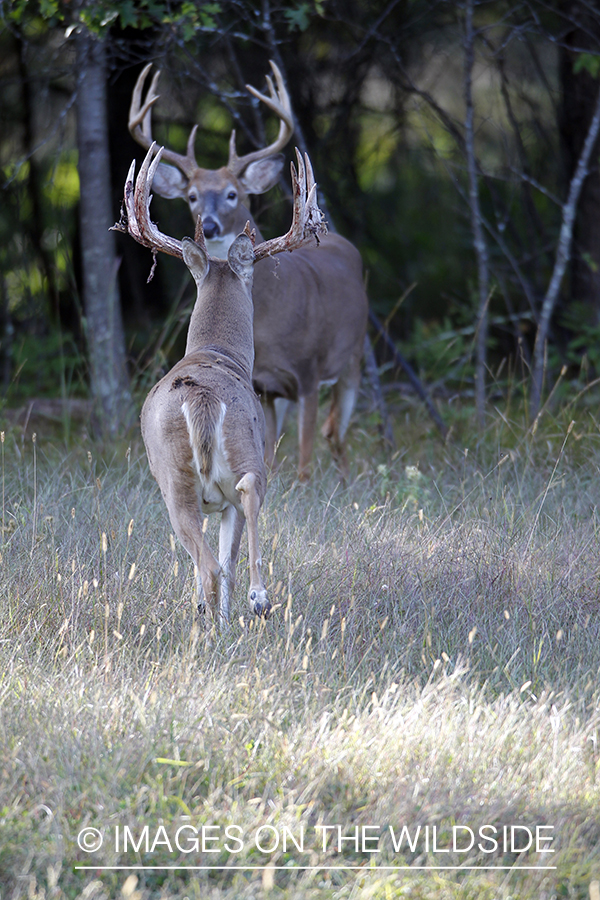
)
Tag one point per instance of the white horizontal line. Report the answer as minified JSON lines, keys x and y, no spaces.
{"x":365,"y":868}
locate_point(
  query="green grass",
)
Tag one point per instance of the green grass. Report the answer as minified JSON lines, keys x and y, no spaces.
{"x":432,"y":661}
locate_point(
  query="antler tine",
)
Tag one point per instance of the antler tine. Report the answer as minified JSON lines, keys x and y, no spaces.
{"x":127,"y":223}
{"x":142,"y":195}
{"x":307,"y":219}
{"x":296,"y":232}
{"x":199,"y":235}
{"x":140,"y":124}
{"x":190,"y":153}
{"x":278,"y":101}
{"x":250,"y":232}
{"x":315,"y":220}
{"x":310,"y":176}
{"x":137,"y":204}
{"x":131,"y":225}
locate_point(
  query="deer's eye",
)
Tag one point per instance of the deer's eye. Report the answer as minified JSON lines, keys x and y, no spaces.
{"x":192,"y":198}
{"x":231,"y":195}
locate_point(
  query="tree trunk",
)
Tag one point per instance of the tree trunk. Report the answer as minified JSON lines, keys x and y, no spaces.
{"x":579,"y":91}
{"x":479,"y":242}
{"x":141,"y":303}
{"x":109,"y":380}
{"x":563,"y":254}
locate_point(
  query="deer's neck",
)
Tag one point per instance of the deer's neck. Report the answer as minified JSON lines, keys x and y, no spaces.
{"x":222,"y":319}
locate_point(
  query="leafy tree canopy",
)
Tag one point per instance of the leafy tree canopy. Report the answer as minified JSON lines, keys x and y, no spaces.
{"x":187,"y":17}
{"x":101,"y":15}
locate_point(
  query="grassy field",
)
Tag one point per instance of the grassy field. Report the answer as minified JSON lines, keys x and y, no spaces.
{"x":432,"y":665}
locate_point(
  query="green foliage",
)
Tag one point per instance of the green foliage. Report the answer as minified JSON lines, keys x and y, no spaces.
{"x":583,"y":341}
{"x":440,"y":350}
{"x":46,"y":365}
{"x":390,"y":166}
{"x":25,"y":12}
{"x":192,"y":17}
{"x":406,"y":239}
{"x":62,"y":188}
{"x":99,"y":15}
{"x":377,"y":149}
{"x":300,"y":16}
{"x":587,"y":62}
{"x":33,"y":250}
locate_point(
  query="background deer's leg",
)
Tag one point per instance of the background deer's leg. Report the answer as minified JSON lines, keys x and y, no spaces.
{"x":275,"y":409}
{"x":344,"y":391}
{"x":308,"y":407}
{"x":257,"y":595}
{"x":232,"y":525}
{"x":281,"y":408}
{"x":270,"y":428}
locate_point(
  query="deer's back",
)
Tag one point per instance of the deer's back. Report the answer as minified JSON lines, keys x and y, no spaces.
{"x":204,"y":422}
{"x":310,"y":315}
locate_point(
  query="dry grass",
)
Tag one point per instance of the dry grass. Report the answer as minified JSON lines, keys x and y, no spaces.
{"x":433,"y":661}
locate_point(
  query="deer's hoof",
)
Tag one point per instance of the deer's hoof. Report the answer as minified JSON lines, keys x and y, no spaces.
{"x":260,"y":603}
{"x":201,"y":608}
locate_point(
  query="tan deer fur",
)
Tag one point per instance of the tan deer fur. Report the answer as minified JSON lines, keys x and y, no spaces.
{"x":203,"y":424}
{"x":310,"y":308}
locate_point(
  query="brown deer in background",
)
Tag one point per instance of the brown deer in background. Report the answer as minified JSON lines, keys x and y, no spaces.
{"x":310,"y":307}
{"x":202,"y":424}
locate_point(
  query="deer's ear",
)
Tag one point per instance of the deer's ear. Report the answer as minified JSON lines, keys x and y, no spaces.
{"x":169,"y":182}
{"x":240,"y":257}
{"x":261,"y":175}
{"x":195,"y":259}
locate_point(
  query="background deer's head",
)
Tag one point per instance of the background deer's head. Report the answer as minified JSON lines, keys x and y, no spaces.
{"x":218,"y":196}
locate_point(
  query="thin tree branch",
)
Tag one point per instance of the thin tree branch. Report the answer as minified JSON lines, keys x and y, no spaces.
{"x":402,"y":363}
{"x":479,"y":242}
{"x":563,"y":252}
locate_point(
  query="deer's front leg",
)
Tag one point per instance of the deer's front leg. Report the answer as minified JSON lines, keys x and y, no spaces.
{"x":257,"y":595}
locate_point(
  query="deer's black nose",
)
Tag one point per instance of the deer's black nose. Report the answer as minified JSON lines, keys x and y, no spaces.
{"x":211,"y":228}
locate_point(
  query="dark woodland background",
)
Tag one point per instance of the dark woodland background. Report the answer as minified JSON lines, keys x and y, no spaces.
{"x":454,"y":143}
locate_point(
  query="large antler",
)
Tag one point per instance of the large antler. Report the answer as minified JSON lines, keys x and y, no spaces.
{"x":279,"y":102}
{"x":307,"y":219}
{"x":140,"y":124}
{"x":137,"y":199}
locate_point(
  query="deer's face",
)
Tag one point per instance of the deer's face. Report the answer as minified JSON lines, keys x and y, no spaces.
{"x":218,"y":196}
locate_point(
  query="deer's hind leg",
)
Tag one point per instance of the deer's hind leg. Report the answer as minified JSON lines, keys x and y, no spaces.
{"x":251,"y":503}
{"x":187,"y":521}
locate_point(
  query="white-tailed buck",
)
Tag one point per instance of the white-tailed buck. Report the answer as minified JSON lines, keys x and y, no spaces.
{"x":310,"y":307}
{"x":202,"y":424}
